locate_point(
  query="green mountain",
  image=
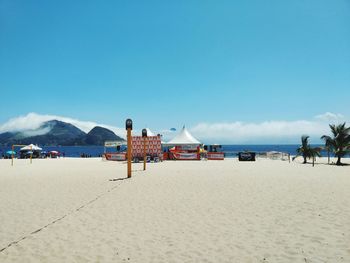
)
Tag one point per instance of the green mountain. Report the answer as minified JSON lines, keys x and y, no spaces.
{"x":98,"y":135}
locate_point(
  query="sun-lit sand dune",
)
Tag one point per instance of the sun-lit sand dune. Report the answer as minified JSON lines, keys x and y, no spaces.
{"x":69,"y":210}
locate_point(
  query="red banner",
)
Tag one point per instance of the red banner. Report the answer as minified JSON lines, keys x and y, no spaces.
{"x":115,"y":156}
{"x":215,"y":156}
{"x":186,"y":156}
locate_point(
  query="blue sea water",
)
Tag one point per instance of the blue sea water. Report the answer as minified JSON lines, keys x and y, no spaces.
{"x":230,"y":150}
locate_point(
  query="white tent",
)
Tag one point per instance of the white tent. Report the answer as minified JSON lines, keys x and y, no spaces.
{"x":31,"y":147}
{"x":150,"y":133}
{"x":184,"y":138}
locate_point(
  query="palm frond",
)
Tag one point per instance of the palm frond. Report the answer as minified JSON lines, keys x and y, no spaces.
{"x":304,"y":140}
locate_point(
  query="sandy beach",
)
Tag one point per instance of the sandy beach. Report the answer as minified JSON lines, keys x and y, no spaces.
{"x":70,"y":210}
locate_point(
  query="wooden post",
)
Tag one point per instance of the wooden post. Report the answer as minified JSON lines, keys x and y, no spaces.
{"x":13,"y":148}
{"x":144,"y":153}
{"x":31,"y":154}
{"x":144,"y":136}
{"x":328,"y":154}
{"x":129,"y":152}
{"x":128,"y":126}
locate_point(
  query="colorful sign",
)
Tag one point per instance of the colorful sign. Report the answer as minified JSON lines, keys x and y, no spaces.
{"x":115,"y":156}
{"x":186,"y":156}
{"x":215,"y":156}
{"x":153,"y":146}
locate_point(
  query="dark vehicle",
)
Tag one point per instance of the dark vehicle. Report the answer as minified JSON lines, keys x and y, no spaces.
{"x":246,"y":156}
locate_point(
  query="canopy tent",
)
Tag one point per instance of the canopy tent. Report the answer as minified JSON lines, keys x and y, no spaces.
{"x":31,"y":147}
{"x":184,"y":138}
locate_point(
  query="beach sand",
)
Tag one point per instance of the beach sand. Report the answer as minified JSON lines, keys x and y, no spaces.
{"x":68,"y":210}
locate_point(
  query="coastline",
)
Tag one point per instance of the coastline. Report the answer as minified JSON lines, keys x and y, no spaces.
{"x":230,"y":150}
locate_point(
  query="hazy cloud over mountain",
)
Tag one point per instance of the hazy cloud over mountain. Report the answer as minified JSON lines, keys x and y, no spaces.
{"x":31,"y":122}
{"x":268,"y":132}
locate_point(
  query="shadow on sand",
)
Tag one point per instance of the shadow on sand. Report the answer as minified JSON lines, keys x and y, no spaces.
{"x":118,"y":179}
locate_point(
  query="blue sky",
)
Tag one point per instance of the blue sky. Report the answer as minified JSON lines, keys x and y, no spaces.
{"x":169,"y":63}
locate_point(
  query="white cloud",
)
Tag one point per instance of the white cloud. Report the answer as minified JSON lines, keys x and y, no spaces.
{"x":260,"y":133}
{"x":329,"y":116}
{"x":30,"y":133}
{"x":282,"y":132}
{"x":33,"y":121}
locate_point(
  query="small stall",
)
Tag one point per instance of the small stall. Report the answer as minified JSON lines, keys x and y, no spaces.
{"x":183,"y":147}
{"x":215,"y":152}
{"x":30,"y":151}
{"x":118,"y":154}
{"x":184,"y":153}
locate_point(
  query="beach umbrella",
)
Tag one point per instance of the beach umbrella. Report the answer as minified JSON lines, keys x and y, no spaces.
{"x":11,"y":152}
{"x":54,"y":153}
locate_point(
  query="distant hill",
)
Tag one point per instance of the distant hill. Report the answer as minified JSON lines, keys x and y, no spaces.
{"x":98,"y":135}
{"x":52,"y":133}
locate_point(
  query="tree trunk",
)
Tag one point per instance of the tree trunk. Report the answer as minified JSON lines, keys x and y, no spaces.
{"x":338,"y":161}
{"x":304,"y":160}
{"x":328,"y":155}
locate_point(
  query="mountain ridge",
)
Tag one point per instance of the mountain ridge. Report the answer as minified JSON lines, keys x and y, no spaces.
{"x":54,"y":133}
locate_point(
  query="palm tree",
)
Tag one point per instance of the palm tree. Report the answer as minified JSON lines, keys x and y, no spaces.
{"x":306,"y":150}
{"x":340,"y":142}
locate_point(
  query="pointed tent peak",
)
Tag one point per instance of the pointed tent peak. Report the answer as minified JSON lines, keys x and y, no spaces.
{"x":150,"y":133}
{"x":31,"y":147}
{"x":184,"y":138}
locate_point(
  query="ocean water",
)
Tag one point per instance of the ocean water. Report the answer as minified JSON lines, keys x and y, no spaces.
{"x":229,"y":150}
{"x":232,"y":150}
